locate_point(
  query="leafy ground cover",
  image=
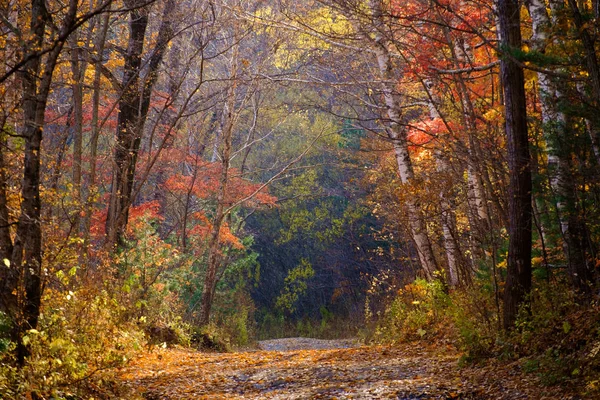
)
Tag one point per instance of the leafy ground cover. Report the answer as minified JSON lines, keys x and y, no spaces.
{"x":411,"y":371}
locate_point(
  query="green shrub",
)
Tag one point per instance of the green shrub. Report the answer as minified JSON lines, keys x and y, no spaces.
{"x":476,"y":321}
{"x":271,"y":325}
{"x":5,"y":343}
{"x":561,"y":334}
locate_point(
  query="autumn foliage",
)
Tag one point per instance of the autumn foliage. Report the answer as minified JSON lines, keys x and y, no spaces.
{"x":186,"y":173}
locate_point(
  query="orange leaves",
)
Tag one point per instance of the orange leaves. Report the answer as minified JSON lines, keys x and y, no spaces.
{"x":206,"y":184}
{"x":452,"y":41}
{"x":178,"y":184}
{"x":139,"y":214}
{"x":312,"y":369}
{"x":226,"y":236}
{"x":423,"y":132}
{"x":98,"y":225}
{"x":204,"y":227}
{"x":148,"y":210}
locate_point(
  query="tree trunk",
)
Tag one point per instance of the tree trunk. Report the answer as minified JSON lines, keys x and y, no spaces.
{"x":133,"y":110}
{"x":127,"y":126}
{"x":214,"y":251}
{"x":397,"y":134}
{"x":447,"y":208}
{"x":448,"y":216}
{"x":27,"y":251}
{"x":99,"y":46}
{"x":26,"y":257}
{"x":23,"y":289}
{"x":518,"y":280}
{"x":556,"y":134}
{"x":77,"y":69}
{"x":8,"y":278}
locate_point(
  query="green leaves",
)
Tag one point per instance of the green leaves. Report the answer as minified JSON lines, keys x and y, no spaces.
{"x":295,"y":286}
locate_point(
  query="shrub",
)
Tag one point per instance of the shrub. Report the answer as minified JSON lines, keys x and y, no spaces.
{"x":80,"y":339}
{"x":560,"y":335}
{"x":417,"y":311}
{"x":476,"y":321}
{"x":211,"y":337}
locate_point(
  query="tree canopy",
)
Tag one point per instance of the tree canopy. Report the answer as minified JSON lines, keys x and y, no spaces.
{"x":248,"y":170}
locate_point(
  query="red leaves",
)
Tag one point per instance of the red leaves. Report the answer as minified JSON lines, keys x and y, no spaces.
{"x":432,"y":34}
{"x":423,"y":132}
{"x":204,"y":227}
{"x":137,"y":215}
{"x":206,"y":185}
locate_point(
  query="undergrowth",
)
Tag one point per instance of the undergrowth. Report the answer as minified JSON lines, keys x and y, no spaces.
{"x":557,"y":338}
{"x":75,"y":349}
{"x":327,"y":325}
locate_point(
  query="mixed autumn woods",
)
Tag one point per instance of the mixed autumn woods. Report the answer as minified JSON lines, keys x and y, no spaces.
{"x":218,"y":171}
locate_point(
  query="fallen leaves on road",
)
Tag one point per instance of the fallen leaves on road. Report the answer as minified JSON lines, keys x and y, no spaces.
{"x":412,"y":371}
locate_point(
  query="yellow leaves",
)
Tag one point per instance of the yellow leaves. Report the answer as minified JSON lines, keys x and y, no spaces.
{"x":327,"y":22}
{"x":494,"y":113}
{"x":537,"y":261}
{"x":114,"y":63}
{"x":316,"y":30}
{"x":264,"y":13}
{"x":300,"y":368}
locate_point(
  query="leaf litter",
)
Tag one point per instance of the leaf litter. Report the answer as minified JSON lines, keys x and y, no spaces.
{"x":301,"y":368}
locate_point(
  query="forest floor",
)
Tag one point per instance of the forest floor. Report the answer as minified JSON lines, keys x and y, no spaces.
{"x":300,"y":368}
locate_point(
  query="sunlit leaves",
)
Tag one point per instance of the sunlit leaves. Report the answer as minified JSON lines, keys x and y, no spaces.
{"x":295,"y":286}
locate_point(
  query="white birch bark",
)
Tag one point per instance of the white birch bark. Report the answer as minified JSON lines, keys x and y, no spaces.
{"x":475,"y":188}
{"x":448,"y":217}
{"x":555,"y":123}
{"x":397,"y":134}
{"x":553,"y":120}
{"x":476,"y":193}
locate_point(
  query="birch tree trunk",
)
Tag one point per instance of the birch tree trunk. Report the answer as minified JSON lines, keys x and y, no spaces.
{"x":448,"y":217}
{"x":397,"y":134}
{"x":556,"y":134}
{"x":447,"y":209}
{"x":461,"y":54}
{"x":478,"y":215}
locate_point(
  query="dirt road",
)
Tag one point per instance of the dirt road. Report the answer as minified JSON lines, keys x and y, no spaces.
{"x":301,"y":368}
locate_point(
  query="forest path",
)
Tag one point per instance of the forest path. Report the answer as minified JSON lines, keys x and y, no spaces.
{"x":413,"y":371}
{"x":302,"y":343}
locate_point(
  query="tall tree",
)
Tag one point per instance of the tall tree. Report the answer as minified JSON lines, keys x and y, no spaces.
{"x":397,"y":134}
{"x":557,"y":128}
{"x":518,"y":280}
{"x":22,"y":272}
{"x":137,"y":85}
